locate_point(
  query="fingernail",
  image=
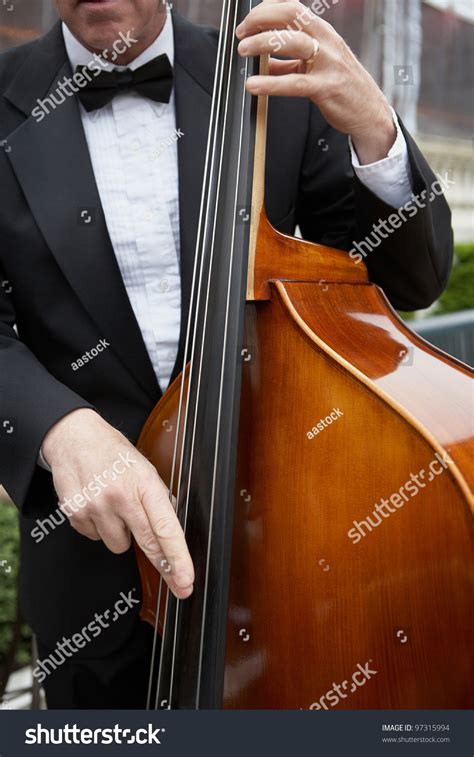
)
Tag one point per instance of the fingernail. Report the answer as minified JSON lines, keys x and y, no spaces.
{"x":184,"y":593}
{"x":183,"y":580}
{"x":239,"y":32}
{"x":243,"y":48}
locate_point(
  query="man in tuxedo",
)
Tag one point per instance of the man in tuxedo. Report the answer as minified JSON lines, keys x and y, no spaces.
{"x":104,"y":124}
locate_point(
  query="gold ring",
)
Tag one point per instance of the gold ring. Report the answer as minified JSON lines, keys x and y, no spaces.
{"x":310,"y":61}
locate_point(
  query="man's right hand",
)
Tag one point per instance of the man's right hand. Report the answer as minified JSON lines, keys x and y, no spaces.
{"x":120,"y":493}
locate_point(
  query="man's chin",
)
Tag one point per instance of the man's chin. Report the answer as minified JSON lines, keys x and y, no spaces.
{"x":100,"y":36}
{"x":100,"y":6}
{"x":94,"y":15}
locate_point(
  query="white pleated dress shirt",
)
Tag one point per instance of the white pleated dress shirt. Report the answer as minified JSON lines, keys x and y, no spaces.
{"x":133,"y":148}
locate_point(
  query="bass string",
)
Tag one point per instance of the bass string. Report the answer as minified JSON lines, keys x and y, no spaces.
{"x":221,"y":389}
{"x":229,"y":35}
{"x":195,"y":288}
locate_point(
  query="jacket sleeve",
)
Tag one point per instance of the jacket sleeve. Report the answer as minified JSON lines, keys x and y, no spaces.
{"x":410,"y":255}
{"x":31,"y":402}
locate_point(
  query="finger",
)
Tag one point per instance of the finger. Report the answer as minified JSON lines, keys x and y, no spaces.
{"x":170,"y":536}
{"x":143,"y":534}
{"x":283,"y":67}
{"x":85,"y":527}
{"x":166,"y":571}
{"x":280,"y":15}
{"x":292,"y":45}
{"x":114,"y":533}
{"x":290,"y":85}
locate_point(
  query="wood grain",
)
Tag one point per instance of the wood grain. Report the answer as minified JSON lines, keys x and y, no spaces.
{"x":321,"y":581}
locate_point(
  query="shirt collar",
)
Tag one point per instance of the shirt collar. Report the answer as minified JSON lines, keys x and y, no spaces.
{"x":80,"y":56}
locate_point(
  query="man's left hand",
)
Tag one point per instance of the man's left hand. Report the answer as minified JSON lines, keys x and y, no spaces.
{"x":335,"y":80}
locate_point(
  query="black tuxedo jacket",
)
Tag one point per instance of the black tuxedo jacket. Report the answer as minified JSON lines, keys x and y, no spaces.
{"x":62,"y":291}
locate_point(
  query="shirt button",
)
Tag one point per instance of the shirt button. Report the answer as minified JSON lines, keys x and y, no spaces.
{"x":148,"y":215}
{"x":164,"y":285}
{"x":135,"y":144}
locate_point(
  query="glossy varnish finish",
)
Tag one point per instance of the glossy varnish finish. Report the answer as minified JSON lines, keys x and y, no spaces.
{"x":279,"y":256}
{"x":307,"y":604}
{"x":362,"y":329}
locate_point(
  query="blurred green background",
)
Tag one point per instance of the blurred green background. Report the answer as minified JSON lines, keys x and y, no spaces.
{"x":459,"y":294}
{"x":15,"y":636}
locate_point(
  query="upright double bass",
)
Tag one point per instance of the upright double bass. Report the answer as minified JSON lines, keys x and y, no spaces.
{"x":318,"y":454}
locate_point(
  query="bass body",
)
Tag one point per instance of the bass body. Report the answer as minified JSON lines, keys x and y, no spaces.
{"x":352,"y":536}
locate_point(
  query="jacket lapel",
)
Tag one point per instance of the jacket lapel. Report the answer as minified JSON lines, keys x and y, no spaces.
{"x":51,"y":161}
{"x":52,"y":164}
{"x":195,"y":56}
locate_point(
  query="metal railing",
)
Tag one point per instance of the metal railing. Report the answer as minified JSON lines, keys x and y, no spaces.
{"x":452,"y":333}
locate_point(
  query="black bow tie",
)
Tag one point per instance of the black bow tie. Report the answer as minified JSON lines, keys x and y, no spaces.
{"x":153,"y":80}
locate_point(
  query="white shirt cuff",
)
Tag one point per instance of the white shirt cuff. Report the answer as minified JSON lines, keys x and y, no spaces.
{"x":390,"y":178}
{"x":42,"y":461}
